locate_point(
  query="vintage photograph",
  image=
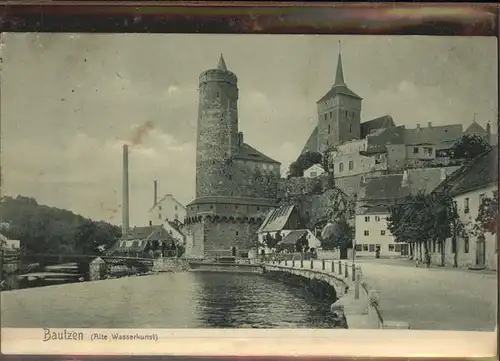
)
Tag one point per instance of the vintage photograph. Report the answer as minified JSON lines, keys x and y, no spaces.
{"x":248,"y":181}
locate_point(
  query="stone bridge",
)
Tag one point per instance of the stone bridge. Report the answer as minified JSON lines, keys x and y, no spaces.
{"x":354,"y":298}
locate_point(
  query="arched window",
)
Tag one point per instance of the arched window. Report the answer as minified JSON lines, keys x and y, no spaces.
{"x":341,"y":167}
{"x":351,"y":165}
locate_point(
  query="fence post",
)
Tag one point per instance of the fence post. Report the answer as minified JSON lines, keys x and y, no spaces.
{"x":312,"y":263}
{"x":356,"y":286}
{"x":293,"y":262}
{"x":333,"y":266}
{"x":301,"y":263}
{"x":353,"y":272}
{"x":346,"y":270}
{"x":323,"y":264}
{"x":285,"y":262}
{"x":340,"y":268}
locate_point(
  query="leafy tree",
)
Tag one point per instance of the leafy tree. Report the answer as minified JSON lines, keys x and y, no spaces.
{"x":487,"y":217}
{"x":338,"y":234}
{"x":469,"y":147}
{"x":304,"y":161}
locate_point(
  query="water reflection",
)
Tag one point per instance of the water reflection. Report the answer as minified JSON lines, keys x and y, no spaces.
{"x":173,"y":300}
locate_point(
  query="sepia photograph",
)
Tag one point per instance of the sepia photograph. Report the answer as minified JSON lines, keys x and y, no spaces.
{"x":175,"y":181}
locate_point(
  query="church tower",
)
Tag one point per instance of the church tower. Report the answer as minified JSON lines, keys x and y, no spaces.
{"x":217,"y":138}
{"x":339,"y":113}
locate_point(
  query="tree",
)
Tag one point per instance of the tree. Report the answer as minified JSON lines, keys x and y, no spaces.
{"x":338,"y":234}
{"x":487,"y":217}
{"x":469,"y":147}
{"x":304,"y":161}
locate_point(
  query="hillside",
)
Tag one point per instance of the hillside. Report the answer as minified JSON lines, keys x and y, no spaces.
{"x":43,"y":229}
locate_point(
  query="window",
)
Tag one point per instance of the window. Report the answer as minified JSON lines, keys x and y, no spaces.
{"x":230,"y":177}
{"x":365,"y":247}
{"x":358,"y":248}
{"x":314,"y":174}
{"x":232,"y":193}
{"x":398,"y":248}
{"x":382,"y":232}
{"x":159,"y":208}
{"x":325,"y":116}
{"x":258,"y":208}
{"x":427,"y":151}
{"x":466,"y":245}
{"x":372,"y":248}
{"x":466,"y":205}
{"x":211,"y":207}
{"x":329,"y":128}
{"x":391,"y":248}
{"x":415,"y":150}
{"x":367,"y":218}
{"x":236,"y":232}
{"x":350,"y":128}
{"x":331,"y":115}
{"x":351,"y":165}
{"x":341,"y":167}
{"x":377,"y":218}
{"x":367,"y":233}
{"x":159,"y":216}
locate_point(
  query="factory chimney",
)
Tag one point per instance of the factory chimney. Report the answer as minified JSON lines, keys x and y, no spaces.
{"x":125,"y":196}
{"x":155,"y":194}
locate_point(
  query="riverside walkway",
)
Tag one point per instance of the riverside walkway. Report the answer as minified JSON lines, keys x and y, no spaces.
{"x":430,"y":299}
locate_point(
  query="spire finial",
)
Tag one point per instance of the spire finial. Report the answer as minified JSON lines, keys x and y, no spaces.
{"x":474,"y":119}
{"x":339,"y":76}
{"x":222,"y":63}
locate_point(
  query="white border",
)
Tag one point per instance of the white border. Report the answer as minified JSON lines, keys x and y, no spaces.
{"x":256,"y":342}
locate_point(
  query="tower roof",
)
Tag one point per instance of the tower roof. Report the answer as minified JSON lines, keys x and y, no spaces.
{"x":339,"y":75}
{"x":222,"y":63}
{"x":339,"y":86}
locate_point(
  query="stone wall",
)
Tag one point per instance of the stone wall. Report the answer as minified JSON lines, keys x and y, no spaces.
{"x":254,"y":179}
{"x":349,"y":185}
{"x":220,"y":237}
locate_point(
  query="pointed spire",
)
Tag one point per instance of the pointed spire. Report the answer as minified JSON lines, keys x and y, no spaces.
{"x":222,"y":63}
{"x":339,"y":76}
{"x":474,"y":119}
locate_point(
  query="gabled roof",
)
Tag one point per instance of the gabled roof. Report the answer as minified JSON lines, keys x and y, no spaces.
{"x":168,"y":195}
{"x":276,"y":219}
{"x":481,"y":172}
{"x":312,"y":142}
{"x":149,"y":233}
{"x":382,"y":188}
{"x":248,"y":152}
{"x":339,"y":90}
{"x":292,"y":237}
{"x":315,"y":166}
{"x":377,"y":142}
{"x":475,"y":128}
{"x":444,"y":134}
{"x":382,"y":122}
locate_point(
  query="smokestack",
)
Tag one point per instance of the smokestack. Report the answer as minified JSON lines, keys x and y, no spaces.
{"x":155,"y":194}
{"x":125,"y":205}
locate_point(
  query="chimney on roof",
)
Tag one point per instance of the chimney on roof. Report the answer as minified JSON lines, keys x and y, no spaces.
{"x":429,"y":124}
{"x":155,"y":193}
{"x":418,"y":126}
{"x":240,"y":139}
{"x":150,"y":223}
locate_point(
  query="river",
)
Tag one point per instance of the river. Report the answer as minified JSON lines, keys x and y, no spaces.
{"x":167,"y":300}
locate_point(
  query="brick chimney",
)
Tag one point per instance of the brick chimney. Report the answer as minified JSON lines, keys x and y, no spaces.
{"x":155,"y":192}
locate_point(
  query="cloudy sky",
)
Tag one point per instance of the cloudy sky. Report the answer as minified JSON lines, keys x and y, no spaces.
{"x":70,"y":101}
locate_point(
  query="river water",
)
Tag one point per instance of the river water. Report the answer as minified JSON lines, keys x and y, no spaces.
{"x":168,"y":300}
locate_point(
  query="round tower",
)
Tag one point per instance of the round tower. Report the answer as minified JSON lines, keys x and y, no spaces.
{"x":217,"y":138}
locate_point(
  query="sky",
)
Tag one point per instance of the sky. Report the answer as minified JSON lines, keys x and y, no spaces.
{"x":70,"y":101}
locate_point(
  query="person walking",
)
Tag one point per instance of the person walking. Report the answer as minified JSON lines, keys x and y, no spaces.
{"x":428,"y":259}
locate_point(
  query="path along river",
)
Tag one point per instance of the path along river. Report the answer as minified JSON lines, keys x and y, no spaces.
{"x":168,"y":300}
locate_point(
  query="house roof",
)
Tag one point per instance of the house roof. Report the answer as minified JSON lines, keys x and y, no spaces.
{"x":314,"y":166}
{"x":378,"y":140}
{"x":292,"y":237}
{"x":339,"y":89}
{"x":312,"y":142}
{"x":475,"y":128}
{"x":248,"y":152}
{"x":382,"y":122}
{"x":276,"y":219}
{"x":382,"y":188}
{"x":480,"y":172}
{"x":444,"y":134}
{"x":168,"y":195}
{"x":150,"y":233}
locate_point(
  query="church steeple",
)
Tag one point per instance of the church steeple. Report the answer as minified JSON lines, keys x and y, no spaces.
{"x":339,"y":75}
{"x":222,"y":64}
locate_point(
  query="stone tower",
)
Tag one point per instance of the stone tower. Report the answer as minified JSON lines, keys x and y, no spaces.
{"x":236,"y":185}
{"x":217,"y":138}
{"x":339,"y":113}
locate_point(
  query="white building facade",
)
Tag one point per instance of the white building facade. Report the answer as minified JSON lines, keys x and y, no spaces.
{"x":167,"y":209}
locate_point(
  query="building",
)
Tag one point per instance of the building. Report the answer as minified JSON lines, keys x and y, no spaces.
{"x":167,"y":209}
{"x":285,"y":220}
{"x":143,"y":240}
{"x":468,"y":186}
{"x":314,"y":171}
{"x":375,"y":197}
{"x":7,"y":244}
{"x":236,"y":185}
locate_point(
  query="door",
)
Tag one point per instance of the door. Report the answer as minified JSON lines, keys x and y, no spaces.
{"x":480,"y":251}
